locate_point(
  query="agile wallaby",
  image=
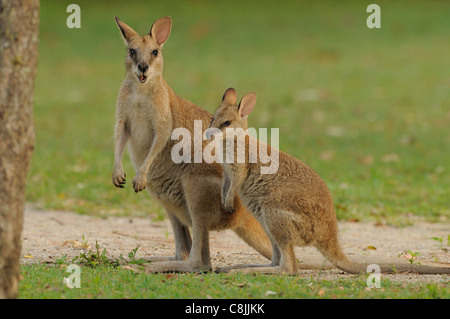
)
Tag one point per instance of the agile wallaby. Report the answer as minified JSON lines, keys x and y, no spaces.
{"x":293,"y":205}
{"x":147,"y":112}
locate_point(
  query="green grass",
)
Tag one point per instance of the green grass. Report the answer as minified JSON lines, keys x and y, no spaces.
{"x":101,"y":276}
{"x":44,"y":281}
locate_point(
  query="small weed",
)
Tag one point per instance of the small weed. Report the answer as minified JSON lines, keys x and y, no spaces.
{"x":62,"y":260}
{"x":132,"y":258}
{"x":98,"y":257}
{"x":94,"y":258}
{"x":440,"y":240}
{"x":410,"y":256}
{"x":84,"y":243}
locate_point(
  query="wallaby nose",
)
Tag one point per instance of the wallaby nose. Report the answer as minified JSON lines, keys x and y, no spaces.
{"x":142,"y":67}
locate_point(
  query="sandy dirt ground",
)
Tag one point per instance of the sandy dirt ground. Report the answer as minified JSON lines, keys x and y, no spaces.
{"x":48,"y":235}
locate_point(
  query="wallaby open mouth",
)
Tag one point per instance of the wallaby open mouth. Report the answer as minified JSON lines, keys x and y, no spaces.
{"x":142,"y":78}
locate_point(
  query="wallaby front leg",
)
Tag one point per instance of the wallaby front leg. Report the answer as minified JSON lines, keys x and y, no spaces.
{"x":140,"y":180}
{"x":183,"y":241}
{"x":234,"y":177}
{"x":182,"y":236}
{"x":121,"y":138}
{"x":199,"y":257}
{"x":228,"y":195}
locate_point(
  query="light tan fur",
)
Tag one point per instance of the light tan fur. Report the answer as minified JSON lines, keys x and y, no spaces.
{"x":293,"y":205}
{"x":147,"y":112}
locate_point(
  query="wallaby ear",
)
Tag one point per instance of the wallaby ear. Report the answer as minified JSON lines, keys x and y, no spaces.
{"x":160,"y":30}
{"x":229,"y":96}
{"x":125,"y":30}
{"x":247,"y":104}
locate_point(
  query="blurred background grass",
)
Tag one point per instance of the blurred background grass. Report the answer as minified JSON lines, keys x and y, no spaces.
{"x":368,"y":109}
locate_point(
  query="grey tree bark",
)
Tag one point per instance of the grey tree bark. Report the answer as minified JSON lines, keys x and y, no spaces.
{"x":19,"y":32}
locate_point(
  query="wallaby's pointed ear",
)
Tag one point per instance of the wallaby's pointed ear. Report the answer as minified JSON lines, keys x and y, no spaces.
{"x":247,"y":104}
{"x":125,"y":30}
{"x":229,"y":96}
{"x":160,"y":30}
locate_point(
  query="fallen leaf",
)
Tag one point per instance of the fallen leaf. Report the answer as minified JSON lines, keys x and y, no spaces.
{"x":237,"y":284}
{"x":308,"y":95}
{"x":367,"y":160}
{"x":130,"y":268}
{"x":28,"y":256}
{"x":269,"y":293}
{"x":370,"y":247}
{"x":318,"y":116}
{"x":76,"y":244}
{"x":240,"y":285}
{"x":327,"y":155}
{"x":407,"y":139}
{"x":170,"y":275}
{"x":390,"y":158}
{"x":335,"y":131}
{"x":73,"y":242}
{"x":408,"y":256}
{"x":343,"y":185}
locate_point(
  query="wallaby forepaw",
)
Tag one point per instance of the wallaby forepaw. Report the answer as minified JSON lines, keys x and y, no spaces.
{"x":229,"y":209}
{"x":228,"y":206}
{"x":139,"y":183}
{"x":119,"y":179}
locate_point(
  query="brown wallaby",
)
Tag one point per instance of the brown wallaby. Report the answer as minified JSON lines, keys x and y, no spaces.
{"x":147,"y":112}
{"x":293,"y":204}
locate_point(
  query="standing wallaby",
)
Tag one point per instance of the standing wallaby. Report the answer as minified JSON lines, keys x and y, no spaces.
{"x":293,"y":204}
{"x":147,"y":112}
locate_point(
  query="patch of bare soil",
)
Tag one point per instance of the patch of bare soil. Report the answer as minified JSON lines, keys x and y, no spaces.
{"x":48,"y":235}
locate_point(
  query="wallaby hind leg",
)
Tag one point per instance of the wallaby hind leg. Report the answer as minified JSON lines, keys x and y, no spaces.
{"x":183,"y":241}
{"x":252,"y":232}
{"x":288,"y":265}
{"x":236,"y":268}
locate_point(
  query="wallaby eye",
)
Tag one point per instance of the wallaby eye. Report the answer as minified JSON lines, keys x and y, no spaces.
{"x":226,"y":123}
{"x":155,"y":52}
{"x":132,"y":51}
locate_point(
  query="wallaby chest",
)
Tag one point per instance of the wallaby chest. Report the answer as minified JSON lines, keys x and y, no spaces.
{"x":138,"y":109}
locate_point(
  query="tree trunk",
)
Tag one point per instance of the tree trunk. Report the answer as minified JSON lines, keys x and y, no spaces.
{"x":19,"y":31}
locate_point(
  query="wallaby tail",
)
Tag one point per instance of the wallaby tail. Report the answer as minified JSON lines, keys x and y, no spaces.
{"x":332,"y":251}
{"x":251,"y":231}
